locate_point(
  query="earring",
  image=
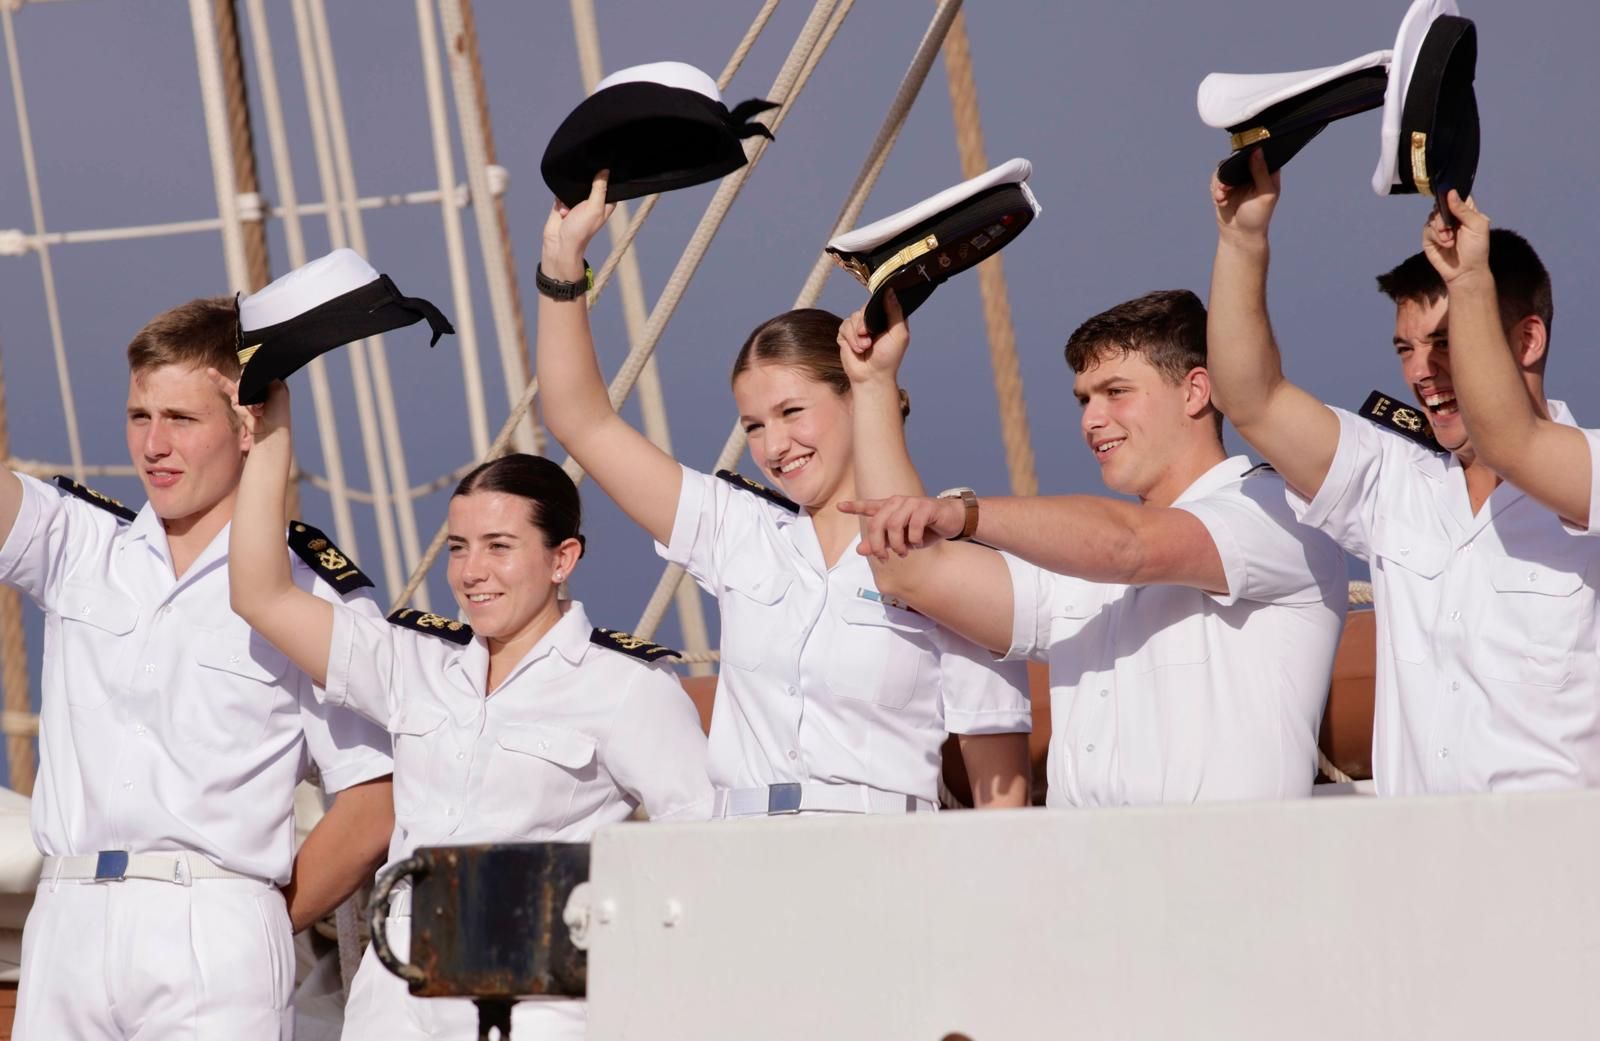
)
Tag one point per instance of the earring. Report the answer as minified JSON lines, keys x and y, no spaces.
{"x":558,"y":576}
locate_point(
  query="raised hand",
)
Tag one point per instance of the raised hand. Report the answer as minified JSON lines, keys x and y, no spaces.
{"x":568,"y":232}
{"x":902,"y":523}
{"x":1461,"y":252}
{"x":259,"y":420}
{"x":1247,"y":210}
{"x":867,"y":357}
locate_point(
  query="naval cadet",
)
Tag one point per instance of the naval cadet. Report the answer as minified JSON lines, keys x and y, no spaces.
{"x":832,"y":697}
{"x":1190,"y":634}
{"x":522,"y":723}
{"x":1488,"y":657}
{"x":172,"y":737}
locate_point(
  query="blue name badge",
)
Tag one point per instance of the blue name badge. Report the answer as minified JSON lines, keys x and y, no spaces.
{"x":887,"y":601}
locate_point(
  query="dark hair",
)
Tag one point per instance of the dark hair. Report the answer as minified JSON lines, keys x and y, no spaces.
{"x":1167,"y":327}
{"x":806,"y":339}
{"x":202,"y":333}
{"x":552,"y":497}
{"x":1520,"y":280}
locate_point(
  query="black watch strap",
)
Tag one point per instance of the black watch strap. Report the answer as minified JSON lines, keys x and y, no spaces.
{"x":556,"y":289}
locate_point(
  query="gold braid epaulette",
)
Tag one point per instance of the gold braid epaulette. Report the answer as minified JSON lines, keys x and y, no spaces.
{"x":631,"y":645}
{"x":326,"y":559}
{"x":94,"y":498}
{"x":432,"y":624}
{"x":1406,"y":420}
{"x":739,"y":480}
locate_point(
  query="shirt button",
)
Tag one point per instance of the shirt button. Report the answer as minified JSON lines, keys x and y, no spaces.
{"x":1088,"y":748}
{"x":139,"y":730}
{"x":126,"y":785}
{"x":1455,"y":616}
{"x":791,"y":691}
{"x":1533,"y":576}
{"x":451,"y":812}
{"x":87,"y":609}
{"x":461,"y":755}
{"x":793,"y":754}
{"x":233,"y":659}
{"x":1104,"y":693}
{"x":1455,"y":684}
{"x":1444,"y":753}
{"x":1405,"y":551}
{"x":149,"y":667}
{"x":544,"y":746}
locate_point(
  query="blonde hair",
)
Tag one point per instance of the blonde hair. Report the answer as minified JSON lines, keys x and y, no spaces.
{"x":202,"y":333}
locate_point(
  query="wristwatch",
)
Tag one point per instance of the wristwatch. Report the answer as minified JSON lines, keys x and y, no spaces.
{"x":969,"y":499}
{"x":556,"y":289}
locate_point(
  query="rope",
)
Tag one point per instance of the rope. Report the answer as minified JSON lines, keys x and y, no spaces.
{"x":23,"y":727}
{"x":502,"y":441}
{"x":1333,"y":773}
{"x":208,"y":62}
{"x":14,"y":678}
{"x":477,"y":146}
{"x":1002,"y":334}
{"x":652,"y":402}
{"x":258,"y":271}
{"x":310,"y":68}
{"x":1360,"y":594}
{"x":877,"y":155}
{"x":450,"y":217}
{"x":52,"y":305}
{"x":392,"y":446}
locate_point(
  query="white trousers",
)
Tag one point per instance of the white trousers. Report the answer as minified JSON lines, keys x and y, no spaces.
{"x":140,"y":960}
{"x":381,"y":1007}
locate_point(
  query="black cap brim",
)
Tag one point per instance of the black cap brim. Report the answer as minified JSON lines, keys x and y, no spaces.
{"x":1291,"y":124}
{"x":1439,"y":133}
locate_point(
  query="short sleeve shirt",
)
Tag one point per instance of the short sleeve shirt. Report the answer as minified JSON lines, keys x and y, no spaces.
{"x":822,"y":678}
{"x":1165,"y":693}
{"x":575,"y":737}
{"x":1488,"y":668}
{"x":165,"y":722}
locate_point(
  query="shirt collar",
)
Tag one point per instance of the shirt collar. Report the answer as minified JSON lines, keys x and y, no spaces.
{"x":147,"y":528}
{"x":1225,"y":472}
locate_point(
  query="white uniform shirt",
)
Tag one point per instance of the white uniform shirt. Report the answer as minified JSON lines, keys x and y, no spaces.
{"x":821,"y":680}
{"x":574,"y":738}
{"x":1165,"y":693}
{"x":166,"y":723}
{"x":1488,"y":669}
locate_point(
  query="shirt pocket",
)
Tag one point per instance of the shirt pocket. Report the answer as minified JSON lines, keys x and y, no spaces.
{"x":882,"y":654}
{"x":95,"y":619}
{"x":534,"y":774}
{"x":238,"y":685}
{"x":752,"y":614}
{"x":1411,"y":567}
{"x":416,"y":733}
{"x":1171,"y":630}
{"x":1539,"y":618}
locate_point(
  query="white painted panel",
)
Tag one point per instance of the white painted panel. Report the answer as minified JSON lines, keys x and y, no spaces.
{"x":1331,"y":918}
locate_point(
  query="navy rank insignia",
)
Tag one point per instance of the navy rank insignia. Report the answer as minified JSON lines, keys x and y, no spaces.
{"x":1405,"y":420}
{"x":94,"y":498}
{"x":323,"y":557}
{"x":739,"y":480}
{"x":629,"y":644}
{"x":433,"y":625}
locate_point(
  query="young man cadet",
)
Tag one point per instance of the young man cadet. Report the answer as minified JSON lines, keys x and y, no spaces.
{"x":1190,"y":635}
{"x":171,"y":737}
{"x":1552,"y":462}
{"x":1488,"y":672}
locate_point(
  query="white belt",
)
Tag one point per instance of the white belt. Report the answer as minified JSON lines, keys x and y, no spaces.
{"x":113,"y":865}
{"x":814,"y":798}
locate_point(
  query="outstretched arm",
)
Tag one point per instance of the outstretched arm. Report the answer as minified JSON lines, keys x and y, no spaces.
{"x":1547,"y":460}
{"x":1294,"y":431}
{"x":639,"y":477}
{"x":261,"y":588}
{"x":963,"y":587}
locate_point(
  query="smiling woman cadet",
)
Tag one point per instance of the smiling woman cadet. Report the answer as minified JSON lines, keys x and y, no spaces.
{"x":830,"y":697}
{"x":530,"y":725}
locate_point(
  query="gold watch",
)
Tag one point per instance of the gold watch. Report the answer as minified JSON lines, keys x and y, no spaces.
{"x":969,"y":499}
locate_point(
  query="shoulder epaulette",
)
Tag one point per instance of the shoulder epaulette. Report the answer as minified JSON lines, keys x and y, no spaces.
{"x":1258,"y":469}
{"x":433,"y":625}
{"x":1405,"y":420}
{"x":323,"y":557}
{"x":629,"y":644}
{"x":739,"y":480}
{"x":94,"y":498}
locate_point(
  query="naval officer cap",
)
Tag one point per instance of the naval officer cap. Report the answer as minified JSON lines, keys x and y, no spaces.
{"x":912,"y":252}
{"x":1280,"y":112}
{"x":656,"y":127}
{"x":324,"y":304}
{"x":1430,"y":112}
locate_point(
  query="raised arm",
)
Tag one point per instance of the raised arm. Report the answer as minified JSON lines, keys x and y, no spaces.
{"x":965,"y":588}
{"x":1547,"y":460}
{"x":1294,"y":431}
{"x":10,"y":501}
{"x":261,"y":588}
{"x":639,"y":477}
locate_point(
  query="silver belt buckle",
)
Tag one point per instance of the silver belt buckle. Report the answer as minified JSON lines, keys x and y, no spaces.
{"x":111,"y":865}
{"x":783,"y":798}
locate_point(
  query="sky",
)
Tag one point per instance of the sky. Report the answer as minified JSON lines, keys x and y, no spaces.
{"x":1098,"y":94}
